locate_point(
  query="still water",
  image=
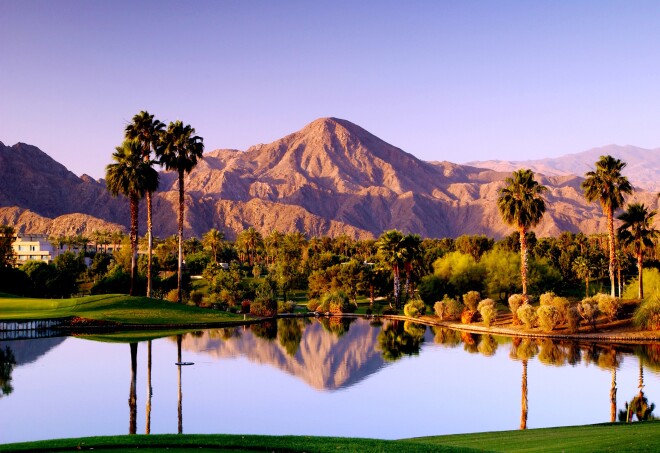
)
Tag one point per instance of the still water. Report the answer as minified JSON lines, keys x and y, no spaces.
{"x":314,"y":377}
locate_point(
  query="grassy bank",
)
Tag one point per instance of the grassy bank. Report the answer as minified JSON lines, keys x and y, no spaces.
{"x":114,"y":308}
{"x":634,"y":437}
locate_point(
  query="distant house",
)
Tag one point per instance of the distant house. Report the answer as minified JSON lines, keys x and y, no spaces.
{"x":33,"y":247}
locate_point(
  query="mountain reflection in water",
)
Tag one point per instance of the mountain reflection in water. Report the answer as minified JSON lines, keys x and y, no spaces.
{"x":333,"y":367}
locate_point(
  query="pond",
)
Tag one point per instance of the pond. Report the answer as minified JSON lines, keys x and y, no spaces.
{"x":314,"y":377}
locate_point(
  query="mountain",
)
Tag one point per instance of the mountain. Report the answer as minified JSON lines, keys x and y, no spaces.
{"x":643,"y":165}
{"x":331,"y":177}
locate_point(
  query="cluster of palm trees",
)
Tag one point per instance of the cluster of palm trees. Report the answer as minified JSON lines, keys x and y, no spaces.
{"x":522,"y":205}
{"x":148,"y":142}
{"x":399,"y":251}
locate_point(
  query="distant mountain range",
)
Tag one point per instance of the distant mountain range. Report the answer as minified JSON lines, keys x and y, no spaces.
{"x":329,"y":178}
{"x":643,"y":165}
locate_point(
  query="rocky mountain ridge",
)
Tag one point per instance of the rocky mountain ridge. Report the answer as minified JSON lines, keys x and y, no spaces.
{"x":331,"y":177}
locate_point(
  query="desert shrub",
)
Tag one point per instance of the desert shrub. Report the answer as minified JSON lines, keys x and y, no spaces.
{"x":415,"y":308}
{"x":546,"y":298}
{"x":263,"y":308}
{"x":467,"y":316}
{"x":527,"y":315}
{"x":448,"y":308}
{"x":245,"y":306}
{"x":588,"y":310}
{"x":573,"y":319}
{"x":488,"y":311}
{"x":608,"y":305}
{"x":286,"y":307}
{"x":515,"y":301}
{"x":172,"y":295}
{"x":313,"y":304}
{"x":548,"y":317}
{"x":196,"y":297}
{"x":335,"y":302}
{"x":647,"y":315}
{"x":390,"y":311}
{"x":471,"y":299}
{"x":561,"y":304}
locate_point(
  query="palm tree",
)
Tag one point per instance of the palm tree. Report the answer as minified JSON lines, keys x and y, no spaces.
{"x":149,"y":390}
{"x":180,"y":151}
{"x":132,"y":177}
{"x":146,"y":130}
{"x":212,"y":240}
{"x":132,"y":396}
{"x":412,"y":244}
{"x":250,"y":240}
{"x":608,"y":186}
{"x":391,"y":249}
{"x":520,"y":204}
{"x":637,"y":231}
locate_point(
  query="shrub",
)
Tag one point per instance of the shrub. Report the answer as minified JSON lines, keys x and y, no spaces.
{"x":286,"y":307}
{"x":471,"y":299}
{"x":335,"y":302}
{"x":546,"y":298}
{"x":527,"y":315}
{"x":561,"y":304}
{"x":390,"y":311}
{"x":467,"y":316}
{"x":488,"y":311}
{"x":448,"y":308}
{"x":573,"y":319}
{"x":196,"y":297}
{"x":588,"y":310}
{"x":313,"y":304}
{"x":515,"y":301}
{"x":245,"y":306}
{"x":172,"y":295}
{"x":647,"y":315}
{"x":415,"y":308}
{"x":608,"y":305}
{"x":263,"y":308}
{"x":548,"y":317}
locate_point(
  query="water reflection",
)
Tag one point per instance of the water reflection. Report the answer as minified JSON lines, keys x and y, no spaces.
{"x":397,"y":339}
{"x":7,"y":363}
{"x":147,"y":428}
{"x":132,"y":396}
{"x":639,"y":406}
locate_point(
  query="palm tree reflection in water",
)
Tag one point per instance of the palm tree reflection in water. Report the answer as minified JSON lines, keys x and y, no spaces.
{"x":132,"y":397}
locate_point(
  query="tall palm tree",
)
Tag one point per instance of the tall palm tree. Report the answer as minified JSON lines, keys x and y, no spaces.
{"x":637,"y":231}
{"x":146,"y":130}
{"x":180,"y":151}
{"x":608,"y":186}
{"x":251,"y":240}
{"x":391,"y":249}
{"x":132,"y":177}
{"x":412,"y":244}
{"x":520,"y":204}
{"x":212,"y":240}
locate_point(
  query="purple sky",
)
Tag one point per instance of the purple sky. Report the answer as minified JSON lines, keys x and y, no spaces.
{"x":443,"y":80}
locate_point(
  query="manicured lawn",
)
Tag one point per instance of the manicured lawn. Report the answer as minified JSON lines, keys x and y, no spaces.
{"x":634,"y":437}
{"x":111,"y":307}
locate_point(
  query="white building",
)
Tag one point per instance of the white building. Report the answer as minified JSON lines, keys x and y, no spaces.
{"x":34,"y":247}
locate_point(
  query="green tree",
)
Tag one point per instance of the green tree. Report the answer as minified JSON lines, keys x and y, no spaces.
{"x":460,"y":272}
{"x":251,"y":242}
{"x":502,"y":272}
{"x":412,"y":246}
{"x":391,"y":249}
{"x":607,"y":185}
{"x":637,"y":231}
{"x":520,"y":204}
{"x":180,"y":151}
{"x":7,"y":255}
{"x":131,"y":176}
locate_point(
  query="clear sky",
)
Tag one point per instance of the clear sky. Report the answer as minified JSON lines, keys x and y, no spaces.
{"x":444,"y":80}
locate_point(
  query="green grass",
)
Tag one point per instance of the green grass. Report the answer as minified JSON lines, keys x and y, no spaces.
{"x":633,"y":437}
{"x":111,"y":307}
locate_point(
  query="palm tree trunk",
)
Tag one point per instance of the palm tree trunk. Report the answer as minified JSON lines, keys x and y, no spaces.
{"x":134,"y":235}
{"x":397,"y":287}
{"x":523,"y":261}
{"x":613,"y":397}
{"x":149,"y":390}
{"x":639,"y":271}
{"x":149,"y":242}
{"x":524,"y":402}
{"x":132,"y":397}
{"x":610,"y":234}
{"x":180,"y":263}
